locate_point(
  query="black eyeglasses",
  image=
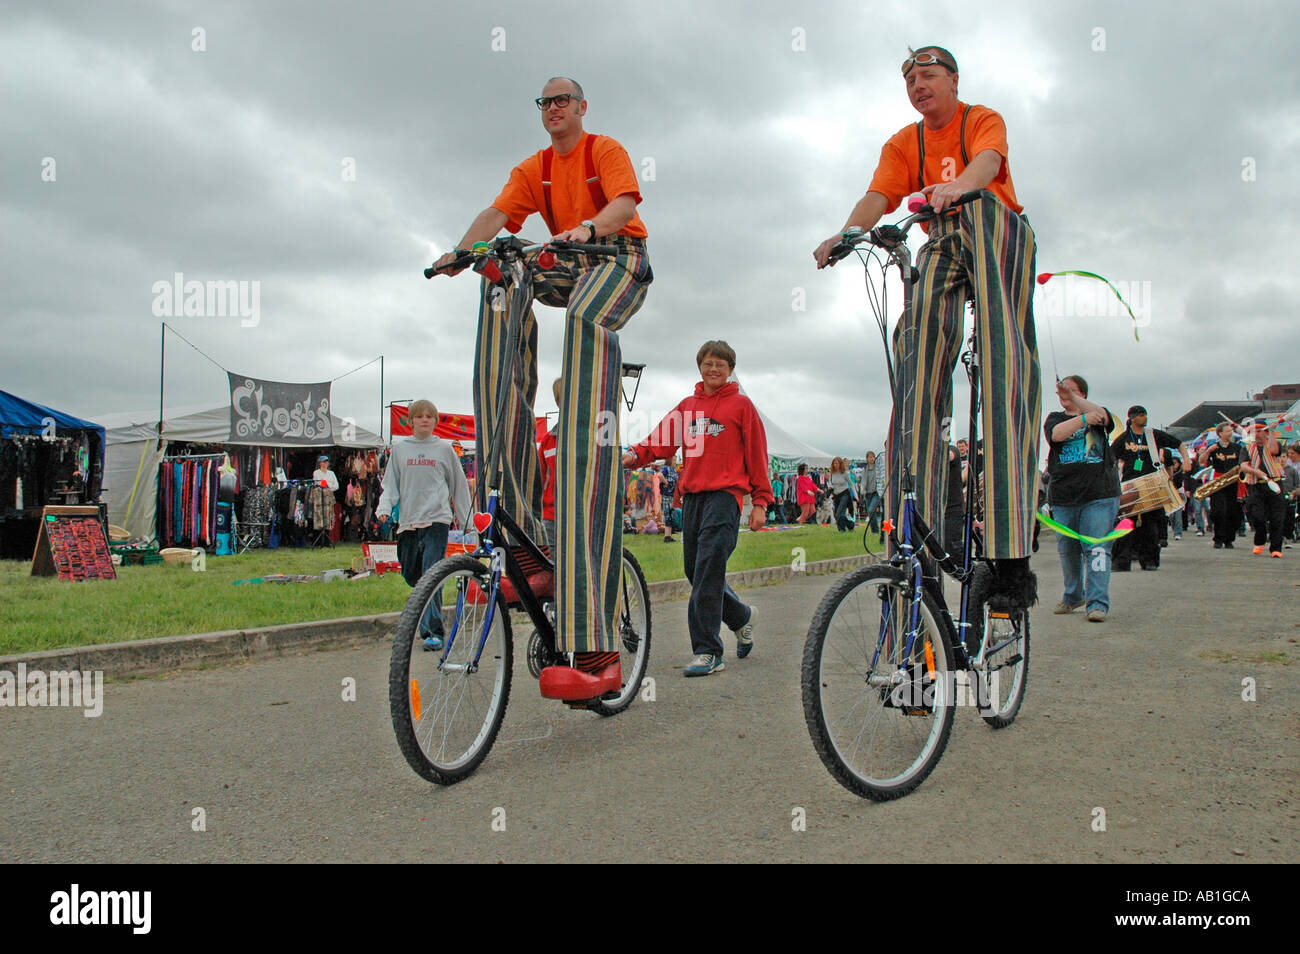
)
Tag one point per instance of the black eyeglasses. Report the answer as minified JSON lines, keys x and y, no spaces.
{"x":544,"y":102}
{"x":926,"y":59}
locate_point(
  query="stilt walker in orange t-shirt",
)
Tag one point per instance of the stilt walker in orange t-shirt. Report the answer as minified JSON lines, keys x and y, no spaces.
{"x":586,"y":190}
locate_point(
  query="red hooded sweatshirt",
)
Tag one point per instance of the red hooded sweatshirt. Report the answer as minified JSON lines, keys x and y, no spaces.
{"x":723,"y":444}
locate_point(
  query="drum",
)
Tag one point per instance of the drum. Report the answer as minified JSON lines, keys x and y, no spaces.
{"x":1146,"y":493}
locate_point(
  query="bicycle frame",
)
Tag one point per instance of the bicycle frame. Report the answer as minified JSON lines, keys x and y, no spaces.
{"x":524,"y":276}
{"x":492,"y":545}
{"x":914,"y":535}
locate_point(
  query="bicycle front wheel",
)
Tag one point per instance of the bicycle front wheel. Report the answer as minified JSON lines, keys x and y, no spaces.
{"x":448,"y":705}
{"x":633,"y":636}
{"x":879,"y":715}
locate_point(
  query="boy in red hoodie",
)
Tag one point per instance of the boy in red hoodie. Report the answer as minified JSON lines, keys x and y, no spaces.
{"x":725,"y":449}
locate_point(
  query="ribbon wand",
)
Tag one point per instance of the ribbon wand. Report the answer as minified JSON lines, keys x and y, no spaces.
{"x":1121,"y":528}
{"x":1044,"y":276}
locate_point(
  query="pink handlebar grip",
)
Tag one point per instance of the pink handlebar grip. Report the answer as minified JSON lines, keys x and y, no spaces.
{"x":915,"y":201}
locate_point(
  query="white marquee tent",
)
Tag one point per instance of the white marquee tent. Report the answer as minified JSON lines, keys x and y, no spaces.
{"x":134,"y":453}
{"x":781,"y":443}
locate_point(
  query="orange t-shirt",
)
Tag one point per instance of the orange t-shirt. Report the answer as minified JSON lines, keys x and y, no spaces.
{"x":570,"y":198}
{"x":895,"y":177}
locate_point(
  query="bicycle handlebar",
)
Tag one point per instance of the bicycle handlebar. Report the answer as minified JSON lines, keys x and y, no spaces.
{"x":893,"y":235}
{"x":481,"y":256}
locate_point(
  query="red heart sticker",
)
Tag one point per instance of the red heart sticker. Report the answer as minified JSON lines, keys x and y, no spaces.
{"x":482,"y":521}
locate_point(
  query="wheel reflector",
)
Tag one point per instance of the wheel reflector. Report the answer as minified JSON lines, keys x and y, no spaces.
{"x":415,"y":700}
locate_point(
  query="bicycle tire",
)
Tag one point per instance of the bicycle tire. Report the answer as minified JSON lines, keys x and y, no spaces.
{"x":634,"y":636}
{"x":842,"y":710}
{"x":446,"y":716}
{"x":1000,"y":703}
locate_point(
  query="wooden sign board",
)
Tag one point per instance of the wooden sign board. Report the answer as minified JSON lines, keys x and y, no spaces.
{"x":71,"y":543}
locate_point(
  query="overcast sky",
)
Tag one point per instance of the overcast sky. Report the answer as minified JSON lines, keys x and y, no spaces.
{"x":1152,"y":143}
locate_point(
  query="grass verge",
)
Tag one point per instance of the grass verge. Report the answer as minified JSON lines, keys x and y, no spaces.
{"x":41,"y":613}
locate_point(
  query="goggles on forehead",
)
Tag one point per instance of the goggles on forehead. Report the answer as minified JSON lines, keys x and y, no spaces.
{"x":926,"y":59}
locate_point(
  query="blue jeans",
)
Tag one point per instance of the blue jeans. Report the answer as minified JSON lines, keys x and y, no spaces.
{"x":1201,"y":509}
{"x":872,"y":509}
{"x":1086,"y":566}
{"x":417,"y":551}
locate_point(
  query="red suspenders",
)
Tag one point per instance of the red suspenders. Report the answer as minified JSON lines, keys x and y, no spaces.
{"x":593,"y":181}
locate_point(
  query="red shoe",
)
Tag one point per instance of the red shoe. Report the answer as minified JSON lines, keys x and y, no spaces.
{"x":1277,"y":555}
{"x":1257,"y":551}
{"x":565,"y":682}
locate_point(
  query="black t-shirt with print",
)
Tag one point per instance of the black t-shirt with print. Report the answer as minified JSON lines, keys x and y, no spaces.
{"x":1080,"y":468}
{"x":1131,"y":451}
{"x":1223,"y":459}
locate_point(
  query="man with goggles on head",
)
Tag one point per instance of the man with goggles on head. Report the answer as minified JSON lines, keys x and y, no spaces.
{"x":586,"y":190}
{"x":983,"y":250}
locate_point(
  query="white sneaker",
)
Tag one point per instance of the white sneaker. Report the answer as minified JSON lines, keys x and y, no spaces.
{"x":704,"y":664}
{"x":745,"y":635}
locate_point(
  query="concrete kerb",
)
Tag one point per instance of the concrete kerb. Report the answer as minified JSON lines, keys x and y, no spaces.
{"x":144,"y":657}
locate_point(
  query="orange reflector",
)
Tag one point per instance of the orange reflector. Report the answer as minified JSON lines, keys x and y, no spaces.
{"x":888,"y":526}
{"x":1000,"y":615}
{"x":415,"y":700}
{"x":929,"y":659}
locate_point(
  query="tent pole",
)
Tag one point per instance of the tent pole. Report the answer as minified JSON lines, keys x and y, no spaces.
{"x":381,"y":398}
{"x":162,"y":370}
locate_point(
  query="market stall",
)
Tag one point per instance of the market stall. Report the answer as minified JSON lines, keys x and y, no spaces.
{"x":47,"y":457}
{"x":169,"y":488}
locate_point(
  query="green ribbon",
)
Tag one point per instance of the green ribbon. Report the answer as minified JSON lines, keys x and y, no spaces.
{"x":1075,"y":535}
{"x":1099,"y":278}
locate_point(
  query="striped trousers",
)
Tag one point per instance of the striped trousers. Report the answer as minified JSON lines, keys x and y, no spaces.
{"x":599,"y":295}
{"x":985,"y":252}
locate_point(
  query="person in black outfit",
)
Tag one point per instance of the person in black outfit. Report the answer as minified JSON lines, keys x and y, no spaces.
{"x":1262,"y":472}
{"x":953,"y":528}
{"x":1225,"y":511}
{"x":1132,"y":449}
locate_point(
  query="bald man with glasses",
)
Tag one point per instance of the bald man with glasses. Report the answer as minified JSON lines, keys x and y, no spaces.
{"x":585,"y":188}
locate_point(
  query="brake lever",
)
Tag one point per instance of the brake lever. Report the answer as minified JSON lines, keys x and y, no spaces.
{"x":887,"y":236}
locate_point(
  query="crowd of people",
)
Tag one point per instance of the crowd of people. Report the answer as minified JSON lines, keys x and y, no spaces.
{"x":1149,"y":477}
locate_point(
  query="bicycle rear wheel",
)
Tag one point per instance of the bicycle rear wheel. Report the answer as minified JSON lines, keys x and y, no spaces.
{"x":1005,"y":670}
{"x":633,"y":636}
{"x":879,"y":730}
{"x":447,"y":709}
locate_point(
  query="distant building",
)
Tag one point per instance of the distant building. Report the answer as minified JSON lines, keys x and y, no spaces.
{"x":1288,"y":393}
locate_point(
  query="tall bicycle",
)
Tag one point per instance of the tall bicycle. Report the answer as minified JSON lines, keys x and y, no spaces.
{"x":885,"y":664}
{"x":447,"y":706}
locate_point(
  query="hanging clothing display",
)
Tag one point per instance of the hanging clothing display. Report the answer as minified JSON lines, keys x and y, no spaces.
{"x":188,"y":488}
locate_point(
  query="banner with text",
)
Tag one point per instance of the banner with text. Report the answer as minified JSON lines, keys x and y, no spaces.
{"x":278,"y":412}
